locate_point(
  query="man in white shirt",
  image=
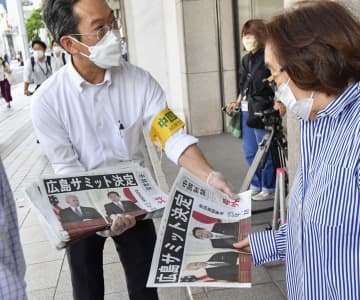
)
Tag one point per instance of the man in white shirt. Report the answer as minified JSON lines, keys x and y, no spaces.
{"x":58,"y":57}
{"x":38,"y":68}
{"x":91,"y":114}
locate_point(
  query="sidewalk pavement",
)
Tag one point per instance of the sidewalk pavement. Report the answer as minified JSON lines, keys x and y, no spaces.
{"x":48,"y":275}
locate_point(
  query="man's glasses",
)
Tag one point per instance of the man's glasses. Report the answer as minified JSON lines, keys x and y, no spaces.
{"x":101,"y":32}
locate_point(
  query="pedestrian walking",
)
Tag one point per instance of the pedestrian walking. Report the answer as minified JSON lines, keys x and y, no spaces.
{"x":5,"y":87}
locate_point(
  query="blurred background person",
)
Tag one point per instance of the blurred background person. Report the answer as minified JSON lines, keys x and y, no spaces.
{"x":316,"y":68}
{"x":5,"y":73}
{"x":124,"y":48}
{"x":255,"y":96}
{"x":58,"y":56}
{"x":38,"y":68}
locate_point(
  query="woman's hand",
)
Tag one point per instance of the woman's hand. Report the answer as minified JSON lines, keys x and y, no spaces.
{"x":243,"y":245}
{"x":231,"y":106}
{"x":280,"y":107}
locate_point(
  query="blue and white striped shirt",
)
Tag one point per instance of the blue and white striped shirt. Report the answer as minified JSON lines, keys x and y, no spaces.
{"x":321,"y":241}
{"x":12,"y":263}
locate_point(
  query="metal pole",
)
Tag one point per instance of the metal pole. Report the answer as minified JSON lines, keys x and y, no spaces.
{"x":220,"y":57}
{"x":22,"y":30}
{"x":237,"y":43}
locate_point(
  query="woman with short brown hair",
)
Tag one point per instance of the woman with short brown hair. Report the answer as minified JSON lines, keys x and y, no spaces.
{"x":313,"y":52}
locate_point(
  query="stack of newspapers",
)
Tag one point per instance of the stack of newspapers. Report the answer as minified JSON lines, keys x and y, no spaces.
{"x":195,"y":239}
{"x":75,"y":206}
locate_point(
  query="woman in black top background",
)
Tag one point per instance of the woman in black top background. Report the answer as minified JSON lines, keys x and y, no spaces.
{"x":255,"y":96}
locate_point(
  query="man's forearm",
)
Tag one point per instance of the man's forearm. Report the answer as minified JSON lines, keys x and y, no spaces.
{"x":26,"y":87}
{"x":193,"y":160}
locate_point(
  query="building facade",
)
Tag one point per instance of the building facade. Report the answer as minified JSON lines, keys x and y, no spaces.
{"x":192,"y":47}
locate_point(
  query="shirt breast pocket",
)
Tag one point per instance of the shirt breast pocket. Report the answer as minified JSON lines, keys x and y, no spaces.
{"x":328,"y":198}
{"x":129,"y":142}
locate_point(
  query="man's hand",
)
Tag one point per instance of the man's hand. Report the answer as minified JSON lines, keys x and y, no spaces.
{"x":217,"y":180}
{"x":27,"y":93}
{"x":121,"y":223}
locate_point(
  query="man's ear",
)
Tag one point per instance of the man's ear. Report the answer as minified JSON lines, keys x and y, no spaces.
{"x":69,"y":45}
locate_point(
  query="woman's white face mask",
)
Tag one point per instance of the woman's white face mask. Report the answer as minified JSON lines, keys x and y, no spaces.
{"x":249,"y":42}
{"x":107,"y":52}
{"x":302,"y":108}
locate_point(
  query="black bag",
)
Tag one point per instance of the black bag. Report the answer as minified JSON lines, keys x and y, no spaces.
{"x":259,"y":95}
{"x":257,"y":105}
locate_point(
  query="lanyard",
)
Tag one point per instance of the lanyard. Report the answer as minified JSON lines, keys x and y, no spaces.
{"x":42,"y":70}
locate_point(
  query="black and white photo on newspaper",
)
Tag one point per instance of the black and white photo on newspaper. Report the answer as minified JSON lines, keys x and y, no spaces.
{"x":195,"y":239}
{"x":72,"y":207}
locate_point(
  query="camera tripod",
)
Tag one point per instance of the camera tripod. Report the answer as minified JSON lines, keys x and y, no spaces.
{"x":275,"y":142}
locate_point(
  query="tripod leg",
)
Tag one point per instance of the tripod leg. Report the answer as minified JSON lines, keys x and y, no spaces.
{"x":281,"y":174}
{"x":259,"y":157}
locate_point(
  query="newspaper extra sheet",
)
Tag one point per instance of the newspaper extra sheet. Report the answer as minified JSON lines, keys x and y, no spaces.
{"x":72,"y":207}
{"x":198,"y":228}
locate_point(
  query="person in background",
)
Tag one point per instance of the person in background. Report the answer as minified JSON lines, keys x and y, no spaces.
{"x":20,"y":58}
{"x":38,"y":68}
{"x":58,"y":56}
{"x":7,"y":58}
{"x":316,"y":68}
{"x":255,"y":96}
{"x":124,"y":49}
{"x":91,"y":114}
{"x":5,"y":87}
{"x":12,"y":262}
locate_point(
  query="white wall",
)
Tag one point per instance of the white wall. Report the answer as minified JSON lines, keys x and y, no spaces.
{"x":154,"y":44}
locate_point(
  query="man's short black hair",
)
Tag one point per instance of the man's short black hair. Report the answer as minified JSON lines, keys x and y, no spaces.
{"x":39,"y":42}
{"x":194,"y":231}
{"x":112,"y":192}
{"x":60,"y":18}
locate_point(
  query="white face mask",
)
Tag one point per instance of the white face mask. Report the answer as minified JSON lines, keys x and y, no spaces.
{"x":302,"y":108}
{"x":57,"y":50}
{"x":107,"y":52}
{"x":39,"y":54}
{"x":249,"y":43}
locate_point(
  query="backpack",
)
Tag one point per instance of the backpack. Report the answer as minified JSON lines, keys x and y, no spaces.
{"x":48,"y":63}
